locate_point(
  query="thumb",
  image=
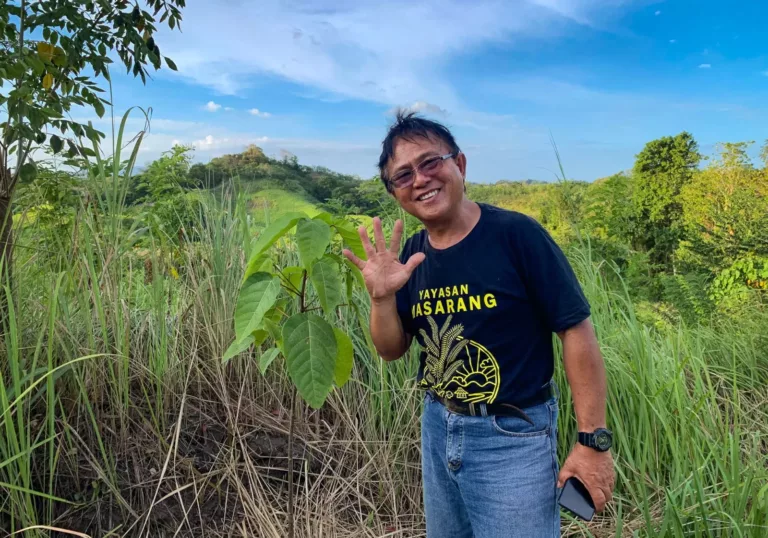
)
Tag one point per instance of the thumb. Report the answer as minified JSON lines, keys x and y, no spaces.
{"x":414,"y":261}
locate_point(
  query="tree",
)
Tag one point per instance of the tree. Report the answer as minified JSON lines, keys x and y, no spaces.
{"x":764,"y":155}
{"x":318,"y":355}
{"x":661,"y":170}
{"x":725,"y":211}
{"x":53,"y":53}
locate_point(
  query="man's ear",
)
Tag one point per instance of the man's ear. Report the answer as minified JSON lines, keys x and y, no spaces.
{"x":461,"y":162}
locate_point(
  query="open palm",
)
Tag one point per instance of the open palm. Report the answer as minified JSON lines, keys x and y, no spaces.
{"x":383,"y":272}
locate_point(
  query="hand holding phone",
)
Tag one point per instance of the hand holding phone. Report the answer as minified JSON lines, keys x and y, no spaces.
{"x":575,"y":498}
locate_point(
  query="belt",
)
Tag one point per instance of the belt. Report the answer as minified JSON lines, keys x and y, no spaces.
{"x":501,"y":409}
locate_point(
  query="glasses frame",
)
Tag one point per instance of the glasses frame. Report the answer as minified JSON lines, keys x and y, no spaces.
{"x":419,"y":169}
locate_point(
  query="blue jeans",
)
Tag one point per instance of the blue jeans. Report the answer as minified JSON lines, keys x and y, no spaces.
{"x":490,"y":476}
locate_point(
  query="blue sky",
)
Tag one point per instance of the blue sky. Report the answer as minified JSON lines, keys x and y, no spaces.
{"x":320,"y":78}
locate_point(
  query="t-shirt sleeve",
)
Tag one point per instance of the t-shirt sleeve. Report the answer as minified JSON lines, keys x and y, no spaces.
{"x":550,"y":279}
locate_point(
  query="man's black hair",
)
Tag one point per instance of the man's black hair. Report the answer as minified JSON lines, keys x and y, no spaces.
{"x":408,"y":126}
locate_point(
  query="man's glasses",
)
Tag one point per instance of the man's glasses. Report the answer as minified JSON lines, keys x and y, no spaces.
{"x":429,"y":166}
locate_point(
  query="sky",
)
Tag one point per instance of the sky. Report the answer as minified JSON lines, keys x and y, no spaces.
{"x":320,"y":79}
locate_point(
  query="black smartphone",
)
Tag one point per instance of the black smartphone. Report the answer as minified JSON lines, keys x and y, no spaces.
{"x":575,"y":498}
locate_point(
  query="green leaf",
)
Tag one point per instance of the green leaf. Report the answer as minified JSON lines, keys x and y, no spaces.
{"x":350,"y":237}
{"x":260,"y":336}
{"x":313,"y":237}
{"x":350,"y":285}
{"x":356,"y":274}
{"x":258,"y":264}
{"x":345,"y":354}
{"x":295,"y":275}
{"x":56,"y":143}
{"x":237,"y":347}
{"x":38,"y":67}
{"x":273,"y":329}
{"x":28,"y":172}
{"x":171,"y":65}
{"x":325,"y":217}
{"x":309,"y":346}
{"x":327,"y":282}
{"x":266,"y":359}
{"x":257,"y":295}
{"x":275,"y":231}
{"x":98,"y":106}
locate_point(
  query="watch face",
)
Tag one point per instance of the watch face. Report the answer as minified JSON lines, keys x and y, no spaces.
{"x":603,"y":440}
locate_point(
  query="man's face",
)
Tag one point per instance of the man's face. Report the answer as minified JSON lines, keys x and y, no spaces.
{"x":434,"y":196}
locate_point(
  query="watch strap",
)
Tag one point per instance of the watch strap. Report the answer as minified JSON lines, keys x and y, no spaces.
{"x":587,"y":439}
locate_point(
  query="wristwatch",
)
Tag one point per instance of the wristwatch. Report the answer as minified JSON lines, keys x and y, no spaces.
{"x":601,"y":439}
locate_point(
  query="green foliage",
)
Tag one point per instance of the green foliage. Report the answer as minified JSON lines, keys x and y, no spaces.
{"x":687,"y":293}
{"x":310,"y":349}
{"x":344,"y":358}
{"x":661,"y":170}
{"x":325,"y":275}
{"x":725,"y":211}
{"x":312,"y":237}
{"x":316,"y":352}
{"x":52,"y":53}
{"x":257,"y":296}
{"x":607,"y":213}
{"x":266,"y":359}
{"x":742,"y":278}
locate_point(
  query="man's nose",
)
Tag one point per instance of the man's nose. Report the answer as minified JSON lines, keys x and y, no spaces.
{"x":420,"y":179}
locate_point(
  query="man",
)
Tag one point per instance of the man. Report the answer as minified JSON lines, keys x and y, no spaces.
{"x":482,"y":290}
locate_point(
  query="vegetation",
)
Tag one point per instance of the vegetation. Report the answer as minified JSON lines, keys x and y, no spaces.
{"x":53,"y":53}
{"x":142,"y":391}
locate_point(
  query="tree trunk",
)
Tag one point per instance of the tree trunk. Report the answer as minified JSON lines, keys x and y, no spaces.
{"x":6,"y":256}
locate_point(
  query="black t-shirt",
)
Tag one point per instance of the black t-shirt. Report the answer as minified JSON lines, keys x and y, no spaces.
{"x":484,"y":309}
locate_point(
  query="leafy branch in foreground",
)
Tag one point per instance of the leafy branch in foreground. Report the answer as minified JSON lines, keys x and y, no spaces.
{"x":317,"y":354}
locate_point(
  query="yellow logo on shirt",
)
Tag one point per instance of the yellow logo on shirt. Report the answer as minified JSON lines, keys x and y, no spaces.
{"x":456,"y":367}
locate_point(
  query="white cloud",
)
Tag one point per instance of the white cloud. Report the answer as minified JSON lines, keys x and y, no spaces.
{"x":657,"y":13}
{"x":259,"y":113}
{"x":705,"y":66}
{"x":391,"y":53}
{"x":228,"y":108}
{"x":212,"y":107}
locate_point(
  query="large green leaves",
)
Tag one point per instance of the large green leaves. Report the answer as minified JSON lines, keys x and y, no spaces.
{"x":257,"y":296}
{"x":350,"y":237}
{"x":313,"y":237}
{"x":327,"y":282}
{"x":347,"y":231}
{"x":266,"y":359}
{"x":273,"y":232}
{"x":259,"y":263}
{"x":237,"y":347}
{"x":344,"y":357}
{"x":309,"y":346}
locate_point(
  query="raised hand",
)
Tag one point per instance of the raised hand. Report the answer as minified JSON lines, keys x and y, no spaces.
{"x":383,"y":272}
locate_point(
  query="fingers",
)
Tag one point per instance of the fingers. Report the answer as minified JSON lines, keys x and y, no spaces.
{"x":414,"y":261}
{"x":397,"y":234}
{"x":369,"y":250}
{"x":598,"y":498}
{"x":565,"y":474}
{"x":354,"y":259}
{"x":378,"y":234}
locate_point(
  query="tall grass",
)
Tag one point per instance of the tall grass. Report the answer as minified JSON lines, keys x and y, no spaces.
{"x":117,"y":417}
